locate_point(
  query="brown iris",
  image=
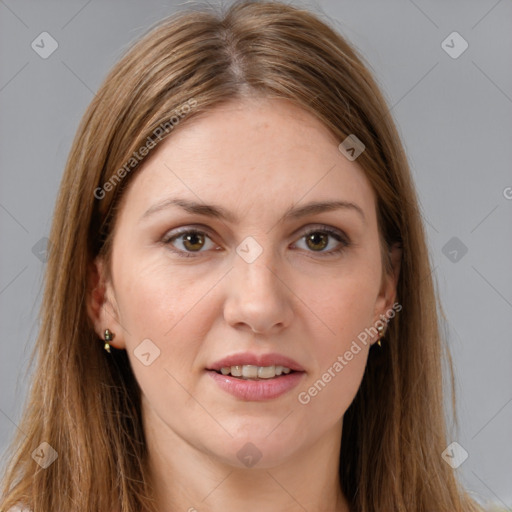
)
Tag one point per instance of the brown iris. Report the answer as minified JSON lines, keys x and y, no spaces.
{"x":193,"y":241}
{"x":317,"y":238}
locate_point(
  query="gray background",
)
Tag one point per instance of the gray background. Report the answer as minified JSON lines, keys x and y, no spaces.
{"x":455,"y":119}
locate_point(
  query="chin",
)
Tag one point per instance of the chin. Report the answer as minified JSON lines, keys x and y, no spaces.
{"x":260,"y":448}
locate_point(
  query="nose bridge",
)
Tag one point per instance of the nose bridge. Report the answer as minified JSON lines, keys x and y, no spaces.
{"x":254,"y":257}
{"x":256,"y":272}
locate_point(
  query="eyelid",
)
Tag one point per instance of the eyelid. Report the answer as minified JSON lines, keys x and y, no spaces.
{"x":327,"y":228}
{"x":198,"y":228}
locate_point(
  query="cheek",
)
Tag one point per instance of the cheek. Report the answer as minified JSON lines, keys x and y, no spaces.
{"x":341,"y":352}
{"x":163,"y":332}
{"x":329,"y":393}
{"x":170,"y":306}
{"x":346,"y":306}
{"x":154,"y":297}
{"x":340,"y":364}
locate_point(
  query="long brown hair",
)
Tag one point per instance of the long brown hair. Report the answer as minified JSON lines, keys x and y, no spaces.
{"x":86,"y":404}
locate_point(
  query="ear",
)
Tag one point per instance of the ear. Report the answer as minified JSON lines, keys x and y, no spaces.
{"x":387,"y":292}
{"x":101,"y":304}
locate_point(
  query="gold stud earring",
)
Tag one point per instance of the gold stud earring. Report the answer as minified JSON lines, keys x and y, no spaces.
{"x":380,"y":328}
{"x":108,"y":337}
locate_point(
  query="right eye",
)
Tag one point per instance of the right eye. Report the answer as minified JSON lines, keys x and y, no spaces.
{"x":191,"y":241}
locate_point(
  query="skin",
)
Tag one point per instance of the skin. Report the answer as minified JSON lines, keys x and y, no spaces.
{"x":256,"y":159}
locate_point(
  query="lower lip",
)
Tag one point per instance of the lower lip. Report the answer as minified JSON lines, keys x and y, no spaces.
{"x":257,"y":390}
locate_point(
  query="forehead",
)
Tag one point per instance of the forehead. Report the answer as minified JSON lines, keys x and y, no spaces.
{"x":250,"y":153}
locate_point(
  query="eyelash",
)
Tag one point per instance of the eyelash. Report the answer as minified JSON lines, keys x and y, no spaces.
{"x":336,"y":234}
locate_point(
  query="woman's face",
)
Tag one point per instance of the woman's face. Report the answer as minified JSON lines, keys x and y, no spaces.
{"x":244,"y":269}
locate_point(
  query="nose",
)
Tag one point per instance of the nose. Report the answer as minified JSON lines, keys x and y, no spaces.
{"x":258,"y":298}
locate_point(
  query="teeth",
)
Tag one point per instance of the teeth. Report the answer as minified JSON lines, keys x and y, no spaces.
{"x":236,"y":371}
{"x":266,"y":372}
{"x":249,"y":371}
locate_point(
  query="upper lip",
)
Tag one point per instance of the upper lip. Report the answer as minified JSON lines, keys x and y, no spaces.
{"x":244,"y":358}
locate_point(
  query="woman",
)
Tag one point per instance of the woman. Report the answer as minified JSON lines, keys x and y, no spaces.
{"x":238,"y":226}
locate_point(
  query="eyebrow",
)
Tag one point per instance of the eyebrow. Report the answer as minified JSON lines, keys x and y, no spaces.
{"x":218,"y":212}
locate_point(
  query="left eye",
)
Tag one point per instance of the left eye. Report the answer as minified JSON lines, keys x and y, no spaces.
{"x":318,"y":239}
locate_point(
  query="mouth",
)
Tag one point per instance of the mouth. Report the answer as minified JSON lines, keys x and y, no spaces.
{"x":256,"y":377}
